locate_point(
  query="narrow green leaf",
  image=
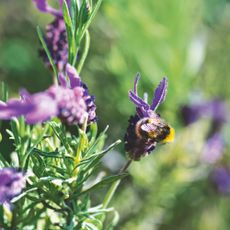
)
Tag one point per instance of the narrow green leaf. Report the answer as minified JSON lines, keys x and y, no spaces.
{"x":91,"y":17}
{"x":105,"y":181}
{"x":3,"y":161}
{"x":15,"y":199}
{"x":83,"y":14}
{"x":98,"y":144}
{"x":14,"y":128}
{"x":92,"y":160}
{"x":74,"y":13}
{"x":4,"y":92}
{"x":93,"y":132}
{"x":54,"y":154}
{"x":60,"y":133}
{"x":70,"y":33}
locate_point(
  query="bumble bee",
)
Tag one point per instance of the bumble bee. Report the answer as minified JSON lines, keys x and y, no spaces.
{"x":143,"y":134}
{"x":155,"y":129}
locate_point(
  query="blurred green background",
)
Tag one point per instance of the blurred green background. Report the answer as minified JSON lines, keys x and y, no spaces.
{"x":188,"y":41}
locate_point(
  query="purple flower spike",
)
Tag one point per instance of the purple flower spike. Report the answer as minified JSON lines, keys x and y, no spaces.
{"x":160,"y":94}
{"x":55,"y":37}
{"x":70,"y":102}
{"x":138,"y":101}
{"x":221,"y":178}
{"x":146,"y":128}
{"x":143,"y":108}
{"x":12,"y":183}
{"x":213,"y":150}
{"x":215,"y":109}
{"x":56,"y":40}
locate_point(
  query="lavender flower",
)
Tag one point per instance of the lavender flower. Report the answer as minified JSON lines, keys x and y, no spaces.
{"x":221,"y":178}
{"x":12,"y":183}
{"x":147,"y":128}
{"x":56,"y":37}
{"x":213,"y":149}
{"x":69,"y":101}
{"x":214,"y":109}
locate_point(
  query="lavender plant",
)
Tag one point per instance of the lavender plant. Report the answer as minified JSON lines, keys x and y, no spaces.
{"x":54,"y":171}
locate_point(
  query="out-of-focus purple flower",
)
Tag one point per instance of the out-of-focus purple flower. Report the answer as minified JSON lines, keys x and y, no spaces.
{"x":12,"y":183}
{"x":56,"y":37}
{"x":70,"y":102}
{"x":57,"y":44}
{"x":213,"y":149}
{"x":147,"y":128}
{"x":35,"y":108}
{"x":215,"y":110}
{"x":221,"y":178}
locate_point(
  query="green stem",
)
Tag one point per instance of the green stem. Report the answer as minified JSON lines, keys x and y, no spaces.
{"x":27,"y":153}
{"x":113,"y":188}
{"x":85,"y":51}
{"x":14,"y":218}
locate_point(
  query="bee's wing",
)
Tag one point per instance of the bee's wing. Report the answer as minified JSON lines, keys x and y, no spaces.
{"x":149,"y":127}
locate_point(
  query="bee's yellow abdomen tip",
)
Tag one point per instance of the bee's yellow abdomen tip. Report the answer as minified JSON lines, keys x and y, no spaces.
{"x":171,"y":136}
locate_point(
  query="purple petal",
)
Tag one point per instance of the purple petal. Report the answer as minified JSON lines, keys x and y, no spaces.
{"x":138,"y":101}
{"x":160,"y":94}
{"x":25,"y":95}
{"x":221,"y":177}
{"x":142,"y":112}
{"x":73,"y":76}
{"x":12,"y":183}
{"x":136,"y":83}
{"x":36,"y":108}
{"x":13,"y":108}
{"x":62,"y":80}
{"x":44,"y":108}
{"x":43,"y":6}
{"x":146,"y":97}
{"x":213,"y":150}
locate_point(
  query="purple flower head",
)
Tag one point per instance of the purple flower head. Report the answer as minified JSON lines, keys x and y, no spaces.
{"x":55,"y":37}
{"x":213,"y":149}
{"x":12,"y":183}
{"x":215,"y":110}
{"x":147,"y":128}
{"x":143,"y":108}
{"x":221,"y":178}
{"x":70,"y":101}
{"x":56,"y":41}
{"x":81,"y":94}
